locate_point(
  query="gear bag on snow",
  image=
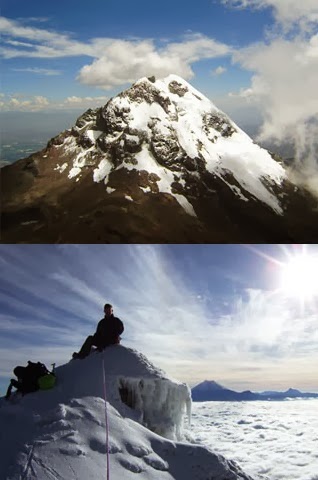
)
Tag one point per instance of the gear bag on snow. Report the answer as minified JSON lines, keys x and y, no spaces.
{"x":31,"y":378}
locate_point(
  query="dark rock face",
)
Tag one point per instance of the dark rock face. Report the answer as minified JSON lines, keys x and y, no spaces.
{"x":219,"y":123}
{"x":137,"y":170}
{"x":166,"y":150}
{"x":178,"y":88}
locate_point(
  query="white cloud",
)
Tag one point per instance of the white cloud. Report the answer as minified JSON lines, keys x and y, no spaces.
{"x":284,"y":77}
{"x":218,"y":70}
{"x":40,"y":43}
{"x":39,"y":71}
{"x":288,"y":13}
{"x":267,"y":439}
{"x":33,"y":19}
{"x":284,"y":81}
{"x":116,"y":62}
{"x":284,"y":85}
{"x":18,"y":103}
{"x":24,"y":103}
{"x":87,"y":101}
{"x":126,"y":61}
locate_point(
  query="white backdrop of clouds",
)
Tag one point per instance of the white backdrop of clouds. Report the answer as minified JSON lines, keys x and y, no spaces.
{"x":288,"y":13}
{"x":284,"y":77}
{"x":285,"y":82}
{"x":270,"y":440}
{"x":38,"y":103}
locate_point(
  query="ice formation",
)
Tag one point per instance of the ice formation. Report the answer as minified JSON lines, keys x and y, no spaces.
{"x":161,"y":403}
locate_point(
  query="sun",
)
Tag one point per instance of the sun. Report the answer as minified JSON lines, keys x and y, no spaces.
{"x":295,"y":273}
{"x":299,"y":276}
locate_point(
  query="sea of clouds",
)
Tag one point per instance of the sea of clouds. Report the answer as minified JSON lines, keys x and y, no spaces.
{"x":270,"y":440}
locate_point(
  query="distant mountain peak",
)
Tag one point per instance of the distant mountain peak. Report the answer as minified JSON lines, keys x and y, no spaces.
{"x":293,"y":391}
{"x":209,"y":390}
{"x":209,"y":385}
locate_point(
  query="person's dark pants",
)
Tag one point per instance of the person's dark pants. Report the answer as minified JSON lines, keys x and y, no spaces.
{"x":13,"y":383}
{"x":93,"y":341}
{"x":21,"y":387}
{"x":87,"y":346}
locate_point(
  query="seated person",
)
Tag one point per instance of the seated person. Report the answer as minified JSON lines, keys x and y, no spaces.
{"x":107,"y":333}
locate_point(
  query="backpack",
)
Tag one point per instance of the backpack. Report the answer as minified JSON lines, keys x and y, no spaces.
{"x":31,"y":378}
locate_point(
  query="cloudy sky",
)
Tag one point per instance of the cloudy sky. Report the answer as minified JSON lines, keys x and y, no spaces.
{"x":256,"y":59}
{"x":245,"y":316}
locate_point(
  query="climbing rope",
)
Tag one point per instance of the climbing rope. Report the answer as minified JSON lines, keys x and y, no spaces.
{"x":106,"y":419}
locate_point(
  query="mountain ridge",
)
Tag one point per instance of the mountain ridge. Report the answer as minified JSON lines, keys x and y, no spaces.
{"x":209,"y":390}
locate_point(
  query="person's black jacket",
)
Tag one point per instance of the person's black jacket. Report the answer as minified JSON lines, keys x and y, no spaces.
{"x":108,"y":331}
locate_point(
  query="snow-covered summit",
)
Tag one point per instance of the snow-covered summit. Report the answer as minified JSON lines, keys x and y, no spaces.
{"x":158,"y":163}
{"x":165,"y":127}
{"x":61,"y":433}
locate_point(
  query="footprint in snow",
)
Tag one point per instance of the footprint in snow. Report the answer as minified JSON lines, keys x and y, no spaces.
{"x":99,"y":445}
{"x":131,"y":466}
{"x":137,"y":450}
{"x":156,"y":462}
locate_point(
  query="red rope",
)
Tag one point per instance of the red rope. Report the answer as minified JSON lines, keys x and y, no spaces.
{"x":106,"y":419}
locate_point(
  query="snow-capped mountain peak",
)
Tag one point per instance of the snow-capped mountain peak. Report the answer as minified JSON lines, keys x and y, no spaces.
{"x":171,"y":130}
{"x":161,"y":163}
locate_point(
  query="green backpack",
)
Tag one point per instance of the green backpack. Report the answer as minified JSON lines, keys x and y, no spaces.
{"x":47,"y":381}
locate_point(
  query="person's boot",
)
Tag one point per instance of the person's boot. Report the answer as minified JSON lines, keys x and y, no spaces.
{"x":79,"y":355}
{"x":7,"y":396}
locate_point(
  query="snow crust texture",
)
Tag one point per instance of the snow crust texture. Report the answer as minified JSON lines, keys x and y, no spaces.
{"x":170,"y":130}
{"x":61,"y":433}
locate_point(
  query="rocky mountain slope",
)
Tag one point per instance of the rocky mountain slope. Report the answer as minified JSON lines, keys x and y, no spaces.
{"x":158,"y":163}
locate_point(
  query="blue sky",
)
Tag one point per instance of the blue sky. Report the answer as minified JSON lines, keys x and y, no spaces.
{"x":256,"y":59}
{"x":221,"y":312}
{"x":132,"y":21}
